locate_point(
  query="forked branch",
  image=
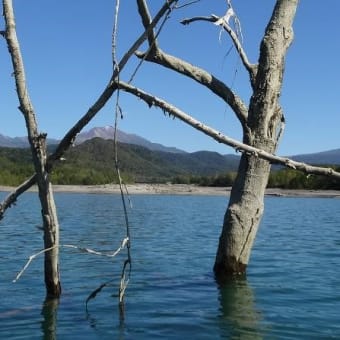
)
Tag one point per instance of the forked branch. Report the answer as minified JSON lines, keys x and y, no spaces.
{"x":251,"y":68}
{"x":156,"y":55}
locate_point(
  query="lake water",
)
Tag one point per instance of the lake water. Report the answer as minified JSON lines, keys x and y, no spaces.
{"x":292,"y":290}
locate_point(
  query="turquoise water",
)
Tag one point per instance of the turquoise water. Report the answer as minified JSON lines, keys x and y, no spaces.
{"x":292,"y":289}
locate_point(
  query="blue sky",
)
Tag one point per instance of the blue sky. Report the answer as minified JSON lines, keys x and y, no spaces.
{"x":66,"y":46}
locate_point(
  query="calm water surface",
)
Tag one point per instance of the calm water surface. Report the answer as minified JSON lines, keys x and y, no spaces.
{"x":292,"y":290}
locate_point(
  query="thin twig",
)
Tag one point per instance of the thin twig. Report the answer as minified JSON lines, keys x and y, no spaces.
{"x":118,"y":113}
{"x":187,"y":4}
{"x":251,"y":68}
{"x":95,"y":292}
{"x":84,"y":250}
{"x":152,"y":43}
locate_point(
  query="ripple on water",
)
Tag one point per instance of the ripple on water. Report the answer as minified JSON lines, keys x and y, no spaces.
{"x":291,"y":291}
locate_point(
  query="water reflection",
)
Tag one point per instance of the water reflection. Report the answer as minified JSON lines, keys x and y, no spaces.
{"x":96,"y":323}
{"x":238,"y":310}
{"x":49,"y":323}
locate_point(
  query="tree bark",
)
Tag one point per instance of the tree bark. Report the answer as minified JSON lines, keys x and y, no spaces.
{"x":242,"y":217}
{"x":264,"y":122}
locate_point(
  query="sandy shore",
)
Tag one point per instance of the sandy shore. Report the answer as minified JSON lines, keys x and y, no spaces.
{"x":179,"y":189}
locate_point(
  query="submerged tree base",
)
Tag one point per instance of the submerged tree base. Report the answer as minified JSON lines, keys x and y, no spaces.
{"x":53,"y":292}
{"x":231,"y":269}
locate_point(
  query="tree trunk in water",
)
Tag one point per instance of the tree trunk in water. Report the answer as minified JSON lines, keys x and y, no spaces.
{"x":49,"y":217}
{"x":39,"y":155}
{"x":262,"y":130}
{"x":51,"y":240}
{"x":242,"y":218}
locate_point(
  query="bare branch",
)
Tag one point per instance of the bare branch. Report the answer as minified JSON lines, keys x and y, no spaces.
{"x":12,"y":197}
{"x":81,"y":249}
{"x":204,"y":78}
{"x":110,"y":88}
{"x":187,"y":4}
{"x":156,"y":55}
{"x":26,"y":106}
{"x":251,"y":68}
{"x":146,"y":20}
{"x":70,"y":136}
{"x":219,"y":137}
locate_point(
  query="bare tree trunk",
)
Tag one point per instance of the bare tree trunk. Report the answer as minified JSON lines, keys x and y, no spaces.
{"x":242,"y":217}
{"x":50,"y":223}
{"x":263,"y":130}
{"x":39,"y":154}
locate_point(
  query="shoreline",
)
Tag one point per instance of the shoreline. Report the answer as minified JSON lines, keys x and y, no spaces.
{"x":178,"y":189}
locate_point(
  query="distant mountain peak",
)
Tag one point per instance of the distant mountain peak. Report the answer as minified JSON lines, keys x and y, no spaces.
{"x":107,"y":132}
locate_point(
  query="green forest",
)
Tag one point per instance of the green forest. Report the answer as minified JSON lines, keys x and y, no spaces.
{"x":92,"y":163}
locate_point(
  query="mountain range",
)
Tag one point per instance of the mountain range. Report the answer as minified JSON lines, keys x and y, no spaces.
{"x":106,"y":132}
{"x":175,"y":155}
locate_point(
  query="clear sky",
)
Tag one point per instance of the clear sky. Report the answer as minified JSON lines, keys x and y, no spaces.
{"x":66,"y":46}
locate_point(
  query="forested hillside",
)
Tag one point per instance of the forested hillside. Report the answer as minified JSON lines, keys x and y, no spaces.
{"x":92,"y":162}
{"x":15,"y":165}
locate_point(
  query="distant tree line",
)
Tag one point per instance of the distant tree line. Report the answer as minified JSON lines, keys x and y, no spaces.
{"x":12,"y":172}
{"x":82,"y":168}
{"x":284,"y":179}
{"x":292,"y":179}
{"x":69,"y":175}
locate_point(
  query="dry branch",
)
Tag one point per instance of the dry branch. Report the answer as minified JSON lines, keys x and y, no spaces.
{"x":251,"y":68}
{"x":221,"y":138}
{"x":70,"y":136}
{"x":12,"y":197}
{"x":146,"y":20}
{"x":110,"y":88}
{"x":81,"y":249}
{"x":202,"y":77}
{"x":156,"y":55}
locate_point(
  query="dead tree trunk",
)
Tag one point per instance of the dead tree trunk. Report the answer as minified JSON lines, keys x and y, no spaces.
{"x":39,"y":155}
{"x":262,"y":123}
{"x":262,"y":130}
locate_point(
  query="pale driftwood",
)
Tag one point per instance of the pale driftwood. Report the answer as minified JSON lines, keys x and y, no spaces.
{"x":221,"y":138}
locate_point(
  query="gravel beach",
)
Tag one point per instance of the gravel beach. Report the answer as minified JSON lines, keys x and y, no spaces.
{"x":178,"y":189}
